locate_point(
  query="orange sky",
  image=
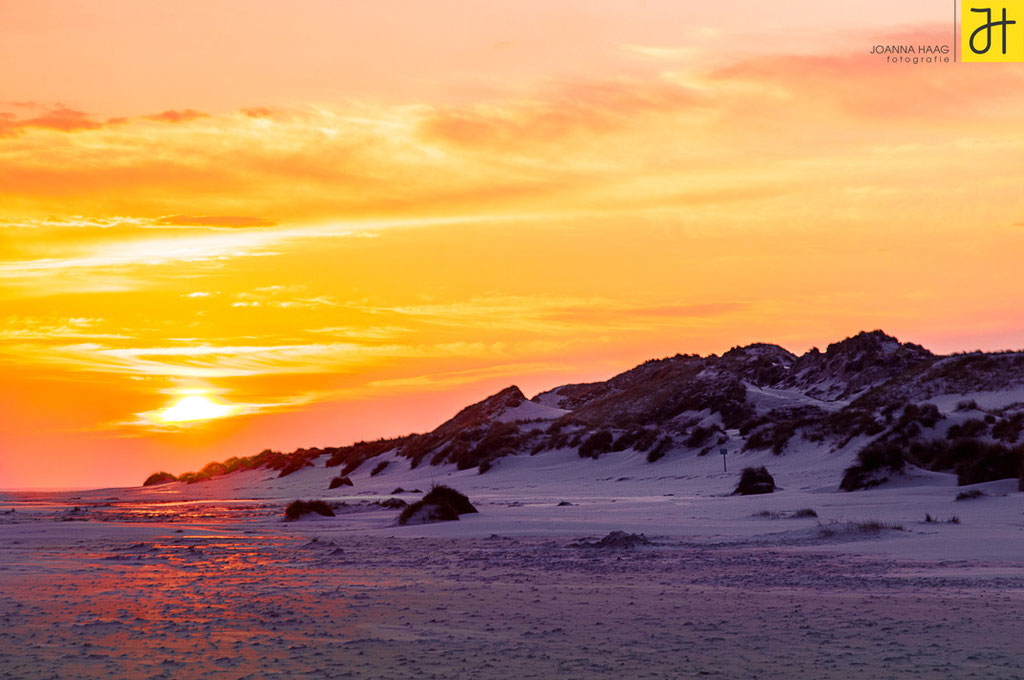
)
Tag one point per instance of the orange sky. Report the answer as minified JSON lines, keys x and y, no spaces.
{"x":334,"y":221}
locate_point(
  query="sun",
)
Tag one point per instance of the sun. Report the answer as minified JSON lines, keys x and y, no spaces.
{"x":194,"y":407}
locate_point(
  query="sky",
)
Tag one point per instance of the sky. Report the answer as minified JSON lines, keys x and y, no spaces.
{"x":231,"y":226}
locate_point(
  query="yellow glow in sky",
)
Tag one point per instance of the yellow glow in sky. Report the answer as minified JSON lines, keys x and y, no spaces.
{"x":193,"y":407}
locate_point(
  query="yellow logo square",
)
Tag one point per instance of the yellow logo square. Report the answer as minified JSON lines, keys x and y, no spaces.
{"x":992,"y":30}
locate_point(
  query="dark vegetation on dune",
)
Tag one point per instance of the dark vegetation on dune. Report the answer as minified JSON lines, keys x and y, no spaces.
{"x":871,"y":526}
{"x":284,"y":463}
{"x":875,"y":464}
{"x":973,"y":461}
{"x":422,"y":512}
{"x":459,"y":502}
{"x":981,"y":449}
{"x":691,"y":405}
{"x":298,"y":509}
{"x":340,"y":480}
{"x":440,"y":504}
{"x":755,"y":481}
{"x":660,"y":449}
{"x":159,"y":478}
{"x":802,"y":513}
{"x":596,"y":444}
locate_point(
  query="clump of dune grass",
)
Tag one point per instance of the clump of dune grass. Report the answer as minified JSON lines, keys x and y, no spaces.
{"x":459,"y":501}
{"x":875,"y":463}
{"x":796,"y":514}
{"x":867,"y":527}
{"x":298,"y":509}
{"x":159,"y":478}
{"x":952,"y":519}
{"x":440,"y":504}
{"x":970,"y":495}
{"x":340,"y":480}
{"x":754,"y":481}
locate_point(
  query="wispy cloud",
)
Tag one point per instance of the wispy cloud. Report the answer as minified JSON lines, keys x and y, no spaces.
{"x":149,"y":252}
{"x":363,"y":333}
{"x":59,"y":118}
{"x":206,"y":361}
{"x":282,"y":297}
{"x":213,"y":221}
{"x":23,"y":329}
{"x":556,"y":315}
{"x":560,"y":117}
{"x":180,"y":116}
{"x":96,"y":261}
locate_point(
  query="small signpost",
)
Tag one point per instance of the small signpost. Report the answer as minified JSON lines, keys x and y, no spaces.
{"x":725,"y":467}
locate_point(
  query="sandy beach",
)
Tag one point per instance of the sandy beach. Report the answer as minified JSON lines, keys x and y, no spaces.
{"x":133,"y":584}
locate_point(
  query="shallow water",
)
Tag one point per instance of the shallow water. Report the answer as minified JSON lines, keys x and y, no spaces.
{"x":69,"y":507}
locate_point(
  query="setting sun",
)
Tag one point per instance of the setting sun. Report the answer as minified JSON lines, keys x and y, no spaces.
{"x":193,"y":407}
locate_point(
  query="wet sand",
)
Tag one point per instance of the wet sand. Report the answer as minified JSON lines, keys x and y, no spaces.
{"x":263,"y":599}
